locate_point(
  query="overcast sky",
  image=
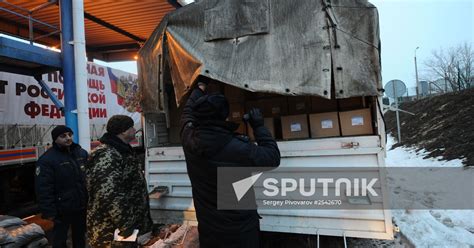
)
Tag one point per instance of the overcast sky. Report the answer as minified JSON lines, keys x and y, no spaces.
{"x":428,"y":24}
{"x":405,"y":25}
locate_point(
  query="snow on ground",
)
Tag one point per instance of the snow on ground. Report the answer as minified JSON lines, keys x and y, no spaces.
{"x":430,"y":228}
{"x":410,"y":157}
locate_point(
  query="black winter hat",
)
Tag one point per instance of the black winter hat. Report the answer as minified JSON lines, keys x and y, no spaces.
{"x":118,"y":124}
{"x":60,"y":130}
{"x":211,"y":107}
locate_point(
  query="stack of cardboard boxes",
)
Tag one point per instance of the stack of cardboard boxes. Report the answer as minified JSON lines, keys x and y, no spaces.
{"x":301,"y":117}
{"x":294,"y":117}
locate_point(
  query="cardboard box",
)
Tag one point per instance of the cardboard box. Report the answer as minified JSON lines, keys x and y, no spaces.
{"x":234,"y":94}
{"x":294,"y":127}
{"x":259,"y":95}
{"x":215,"y":87}
{"x":356,"y":122}
{"x":236,"y":112}
{"x":268,"y":123}
{"x":324,"y":125}
{"x":274,"y":107}
{"x":253,"y":104}
{"x":298,"y":105}
{"x":352,"y":103}
{"x":323,"y":105}
{"x":270,"y":107}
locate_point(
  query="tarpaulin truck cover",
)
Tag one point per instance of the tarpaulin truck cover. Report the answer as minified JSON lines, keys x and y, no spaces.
{"x":303,"y":47}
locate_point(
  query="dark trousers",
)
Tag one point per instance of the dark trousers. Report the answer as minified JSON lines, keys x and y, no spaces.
{"x":77,"y":222}
{"x":248,"y":239}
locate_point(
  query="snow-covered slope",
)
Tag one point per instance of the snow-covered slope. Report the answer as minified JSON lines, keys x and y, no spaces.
{"x":431,"y":228}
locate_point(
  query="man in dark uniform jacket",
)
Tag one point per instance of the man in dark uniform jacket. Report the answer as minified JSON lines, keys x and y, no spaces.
{"x":61,"y":188}
{"x":209,"y":142}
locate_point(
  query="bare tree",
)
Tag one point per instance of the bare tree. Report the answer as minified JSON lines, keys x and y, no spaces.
{"x":466,"y":61}
{"x":455,"y":65}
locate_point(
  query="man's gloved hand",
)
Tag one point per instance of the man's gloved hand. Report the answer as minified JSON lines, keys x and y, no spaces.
{"x":256,"y":118}
{"x":127,"y":232}
{"x":127,"y":235}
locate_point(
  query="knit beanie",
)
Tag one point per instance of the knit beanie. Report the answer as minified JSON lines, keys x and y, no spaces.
{"x":58,"y":130}
{"x":211,"y":107}
{"x":118,"y":124}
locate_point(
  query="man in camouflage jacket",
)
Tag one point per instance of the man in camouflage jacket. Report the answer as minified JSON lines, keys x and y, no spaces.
{"x":118,"y":197}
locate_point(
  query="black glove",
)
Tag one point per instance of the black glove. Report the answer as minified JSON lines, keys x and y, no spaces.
{"x":256,"y":118}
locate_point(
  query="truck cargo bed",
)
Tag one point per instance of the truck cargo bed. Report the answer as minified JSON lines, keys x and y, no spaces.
{"x":165,"y":166}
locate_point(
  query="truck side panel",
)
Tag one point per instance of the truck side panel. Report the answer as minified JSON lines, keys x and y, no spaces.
{"x":166,"y":167}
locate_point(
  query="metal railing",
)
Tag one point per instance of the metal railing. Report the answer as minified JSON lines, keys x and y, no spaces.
{"x":23,"y":135}
{"x":16,"y":135}
{"x":31,"y":20}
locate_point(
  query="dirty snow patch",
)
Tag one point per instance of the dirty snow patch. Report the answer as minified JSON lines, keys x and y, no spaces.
{"x":430,"y":228}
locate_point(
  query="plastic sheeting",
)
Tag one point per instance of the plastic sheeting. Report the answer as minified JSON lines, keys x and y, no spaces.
{"x":5,"y":237}
{"x":7,"y":221}
{"x":308,"y":47}
{"x":39,"y":242}
{"x":23,"y":235}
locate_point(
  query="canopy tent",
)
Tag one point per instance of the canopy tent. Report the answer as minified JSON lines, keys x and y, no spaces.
{"x":292,"y":48}
{"x":114,"y":31}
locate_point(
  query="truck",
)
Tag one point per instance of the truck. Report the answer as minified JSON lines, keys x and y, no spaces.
{"x":297,"y":61}
{"x":27,"y":116}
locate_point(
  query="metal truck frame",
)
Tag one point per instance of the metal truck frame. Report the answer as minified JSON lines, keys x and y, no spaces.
{"x":166,"y":167}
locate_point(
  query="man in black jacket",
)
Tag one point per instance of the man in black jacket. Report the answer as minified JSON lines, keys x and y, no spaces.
{"x":209,"y":142}
{"x":61,"y":189}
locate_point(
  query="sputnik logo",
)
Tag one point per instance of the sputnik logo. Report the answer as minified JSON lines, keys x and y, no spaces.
{"x":241,"y":187}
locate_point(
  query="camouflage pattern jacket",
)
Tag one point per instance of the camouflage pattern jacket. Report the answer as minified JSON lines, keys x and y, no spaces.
{"x":118,"y":197}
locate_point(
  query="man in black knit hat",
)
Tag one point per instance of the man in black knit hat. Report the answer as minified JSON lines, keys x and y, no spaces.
{"x":61,"y":189}
{"x":210,"y":142}
{"x":118,"y":197}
